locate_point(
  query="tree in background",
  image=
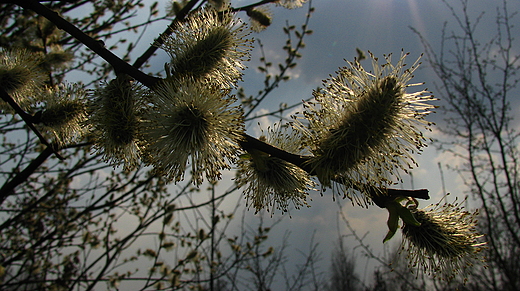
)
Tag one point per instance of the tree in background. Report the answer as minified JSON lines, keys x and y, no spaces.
{"x":70,"y":221}
{"x":343,"y":270}
{"x":479,"y":83}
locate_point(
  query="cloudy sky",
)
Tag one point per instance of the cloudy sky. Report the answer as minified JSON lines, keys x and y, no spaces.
{"x":341,"y":26}
{"x":382,"y":27}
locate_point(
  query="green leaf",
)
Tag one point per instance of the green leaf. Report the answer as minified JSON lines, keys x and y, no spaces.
{"x":389,"y":235}
{"x":393,"y":220}
{"x":407,"y":216}
{"x":245,"y":156}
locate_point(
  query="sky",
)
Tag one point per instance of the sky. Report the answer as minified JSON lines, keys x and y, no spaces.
{"x":339,"y":27}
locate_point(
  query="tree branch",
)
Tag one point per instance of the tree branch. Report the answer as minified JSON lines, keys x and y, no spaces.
{"x":250,"y":142}
{"x":28,"y":119}
{"x":8,"y":187}
{"x":97,"y":46}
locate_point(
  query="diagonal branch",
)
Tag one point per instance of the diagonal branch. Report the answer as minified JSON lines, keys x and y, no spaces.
{"x":8,"y":188}
{"x":250,"y":142}
{"x":28,"y":119}
{"x":97,"y":46}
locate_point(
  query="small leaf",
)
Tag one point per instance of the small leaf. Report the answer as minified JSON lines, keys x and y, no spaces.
{"x":407,"y":216}
{"x":202,"y":234}
{"x":245,"y":156}
{"x":150,"y":253}
{"x":393,"y":220}
{"x":389,"y":235}
{"x":191,"y":255}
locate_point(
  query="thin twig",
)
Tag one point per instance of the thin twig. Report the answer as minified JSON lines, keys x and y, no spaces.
{"x":28,"y":119}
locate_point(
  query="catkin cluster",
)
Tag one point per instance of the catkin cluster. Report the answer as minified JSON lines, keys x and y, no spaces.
{"x":355,"y":136}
